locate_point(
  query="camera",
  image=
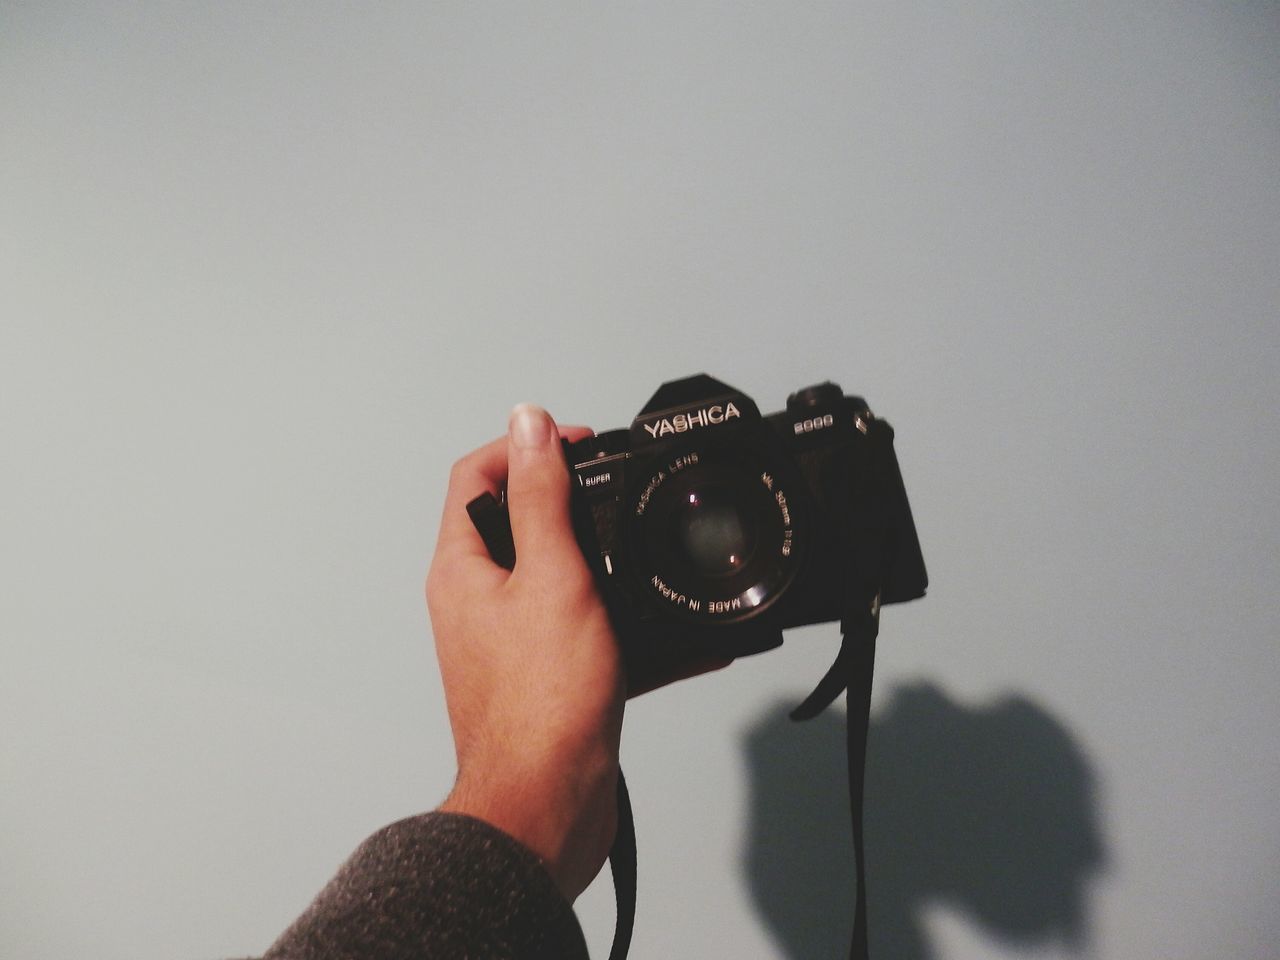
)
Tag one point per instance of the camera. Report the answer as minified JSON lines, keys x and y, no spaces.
{"x":711,"y":528}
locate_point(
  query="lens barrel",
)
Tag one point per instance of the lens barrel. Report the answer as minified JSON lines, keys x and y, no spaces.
{"x":713,"y":535}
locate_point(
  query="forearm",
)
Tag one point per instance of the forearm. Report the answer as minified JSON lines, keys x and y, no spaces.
{"x":436,"y":885}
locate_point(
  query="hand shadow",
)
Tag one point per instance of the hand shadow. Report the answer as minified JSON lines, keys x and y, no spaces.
{"x":989,"y":811}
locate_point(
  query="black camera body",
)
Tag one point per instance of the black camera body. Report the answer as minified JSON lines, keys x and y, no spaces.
{"x":712,"y":528}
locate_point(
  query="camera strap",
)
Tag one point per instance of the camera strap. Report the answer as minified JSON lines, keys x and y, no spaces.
{"x":622,"y":864}
{"x":851,"y":673}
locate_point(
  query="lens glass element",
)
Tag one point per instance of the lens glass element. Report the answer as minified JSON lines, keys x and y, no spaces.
{"x":716,"y":533}
{"x":712,"y":536}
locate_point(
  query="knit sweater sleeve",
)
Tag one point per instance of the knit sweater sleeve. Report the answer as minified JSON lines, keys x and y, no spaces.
{"x":436,"y":886}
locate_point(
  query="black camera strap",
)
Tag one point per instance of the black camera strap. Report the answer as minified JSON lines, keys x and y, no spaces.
{"x":851,"y":673}
{"x":622,"y":864}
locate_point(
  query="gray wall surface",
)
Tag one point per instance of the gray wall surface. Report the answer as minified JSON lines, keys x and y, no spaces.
{"x":266,"y":270}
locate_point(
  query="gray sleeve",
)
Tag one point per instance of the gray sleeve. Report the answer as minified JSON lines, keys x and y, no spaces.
{"x":436,"y":886}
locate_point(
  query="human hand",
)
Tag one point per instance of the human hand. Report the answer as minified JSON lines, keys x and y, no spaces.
{"x":532,"y":672}
{"x":531,"y":668}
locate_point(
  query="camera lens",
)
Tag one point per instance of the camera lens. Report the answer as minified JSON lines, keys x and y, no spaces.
{"x":712,"y":534}
{"x":715,"y":531}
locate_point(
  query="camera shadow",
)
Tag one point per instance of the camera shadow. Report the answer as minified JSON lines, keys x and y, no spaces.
{"x":990,"y":811}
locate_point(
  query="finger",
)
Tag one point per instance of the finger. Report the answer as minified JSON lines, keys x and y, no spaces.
{"x":538,"y":488}
{"x":481,"y":471}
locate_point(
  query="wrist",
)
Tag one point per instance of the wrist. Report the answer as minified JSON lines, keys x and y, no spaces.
{"x":564,"y":814}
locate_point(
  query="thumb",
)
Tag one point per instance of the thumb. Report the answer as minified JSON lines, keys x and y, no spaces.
{"x":537,"y":486}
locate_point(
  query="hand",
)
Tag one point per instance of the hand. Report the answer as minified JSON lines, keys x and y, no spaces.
{"x":531,"y":668}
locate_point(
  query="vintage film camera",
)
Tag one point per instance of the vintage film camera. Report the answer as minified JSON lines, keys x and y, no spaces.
{"x":711,"y":528}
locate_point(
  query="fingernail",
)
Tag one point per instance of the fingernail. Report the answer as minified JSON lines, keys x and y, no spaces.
{"x":530,"y":426}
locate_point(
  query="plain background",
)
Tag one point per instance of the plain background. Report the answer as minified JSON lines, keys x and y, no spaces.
{"x":266,"y":270}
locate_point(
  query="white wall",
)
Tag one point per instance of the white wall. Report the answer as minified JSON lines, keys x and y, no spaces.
{"x":266,"y":270}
